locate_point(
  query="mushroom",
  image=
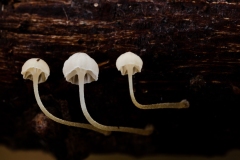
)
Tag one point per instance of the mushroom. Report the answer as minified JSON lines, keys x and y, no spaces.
{"x":130,"y":63}
{"x":38,"y":71}
{"x":80,"y":69}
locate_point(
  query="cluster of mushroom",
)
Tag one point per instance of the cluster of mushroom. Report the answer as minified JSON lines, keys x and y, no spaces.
{"x":80,"y":69}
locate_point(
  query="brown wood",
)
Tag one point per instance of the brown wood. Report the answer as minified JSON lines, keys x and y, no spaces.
{"x":190,"y":50}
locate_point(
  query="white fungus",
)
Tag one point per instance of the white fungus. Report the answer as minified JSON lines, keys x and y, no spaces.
{"x":38,"y":71}
{"x":80,"y":69}
{"x":130,"y":63}
{"x":95,"y":4}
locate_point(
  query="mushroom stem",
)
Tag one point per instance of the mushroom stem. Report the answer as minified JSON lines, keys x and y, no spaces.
{"x":183,"y":104}
{"x":52,"y":117}
{"x":147,"y":131}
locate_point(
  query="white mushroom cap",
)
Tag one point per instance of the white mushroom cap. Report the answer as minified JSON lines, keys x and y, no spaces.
{"x":33,"y":66}
{"x":130,"y":63}
{"x":127,"y":59}
{"x":80,"y":61}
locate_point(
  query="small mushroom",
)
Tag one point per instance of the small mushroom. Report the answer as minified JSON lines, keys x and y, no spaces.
{"x":38,"y":71}
{"x":80,"y":69}
{"x":130,"y":63}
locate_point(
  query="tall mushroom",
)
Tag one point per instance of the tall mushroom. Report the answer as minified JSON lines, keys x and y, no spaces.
{"x":130,"y":63}
{"x":38,"y":71}
{"x":80,"y":69}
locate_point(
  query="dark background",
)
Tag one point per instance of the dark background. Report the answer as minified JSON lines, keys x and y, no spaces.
{"x":190,"y":50}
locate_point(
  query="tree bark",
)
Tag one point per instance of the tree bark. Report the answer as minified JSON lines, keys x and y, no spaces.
{"x":190,"y":50}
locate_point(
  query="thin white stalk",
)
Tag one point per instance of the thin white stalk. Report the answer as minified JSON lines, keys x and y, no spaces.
{"x":147,"y":131}
{"x":52,"y":117}
{"x":183,"y":104}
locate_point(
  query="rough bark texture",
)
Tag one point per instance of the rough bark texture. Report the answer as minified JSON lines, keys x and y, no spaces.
{"x":190,"y":50}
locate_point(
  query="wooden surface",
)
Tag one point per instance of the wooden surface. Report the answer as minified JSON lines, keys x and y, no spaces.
{"x":190,"y":50}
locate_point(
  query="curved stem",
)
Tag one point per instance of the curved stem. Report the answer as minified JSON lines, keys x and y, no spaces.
{"x":52,"y":117}
{"x":183,"y":104}
{"x":147,"y":131}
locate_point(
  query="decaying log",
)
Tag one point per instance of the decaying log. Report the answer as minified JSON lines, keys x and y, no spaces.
{"x":190,"y":50}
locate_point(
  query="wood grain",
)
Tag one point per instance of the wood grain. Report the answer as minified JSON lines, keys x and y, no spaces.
{"x":190,"y":50}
